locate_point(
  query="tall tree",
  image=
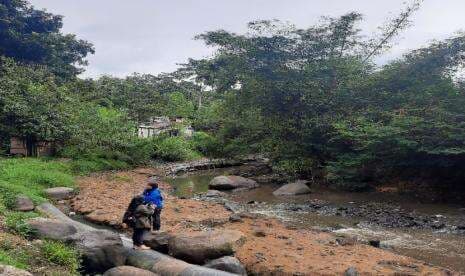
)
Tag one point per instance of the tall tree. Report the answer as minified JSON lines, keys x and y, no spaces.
{"x":34,"y":36}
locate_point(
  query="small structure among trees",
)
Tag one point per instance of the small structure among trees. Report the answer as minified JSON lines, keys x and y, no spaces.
{"x":172,"y":126}
{"x":29,"y":147}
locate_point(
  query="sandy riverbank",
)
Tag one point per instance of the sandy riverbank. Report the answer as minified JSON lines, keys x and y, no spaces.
{"x":277,"y":249}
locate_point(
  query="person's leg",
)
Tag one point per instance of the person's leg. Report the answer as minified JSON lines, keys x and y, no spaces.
{"x":137,"y":237}
{"x":156,"y":220}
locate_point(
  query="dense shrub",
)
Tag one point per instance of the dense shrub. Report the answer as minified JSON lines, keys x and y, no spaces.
{"x":174,"y":149}
{"x":206,"y":144}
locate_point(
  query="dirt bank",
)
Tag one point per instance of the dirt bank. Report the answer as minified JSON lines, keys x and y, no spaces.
{"x":270,"y":248}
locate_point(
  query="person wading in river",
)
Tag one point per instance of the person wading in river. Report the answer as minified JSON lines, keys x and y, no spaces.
{"x":152,"y":195}
{"x":138,"y":216}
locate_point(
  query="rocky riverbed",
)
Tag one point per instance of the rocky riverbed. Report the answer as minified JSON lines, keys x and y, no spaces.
{"x":269,"y":246}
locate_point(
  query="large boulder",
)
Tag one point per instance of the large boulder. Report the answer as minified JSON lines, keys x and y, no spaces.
{"x":199,"y":247}
{"x":6,"y":270}
{"x":128,"y":271}
{"x":232,"y":182}
{"x":158,"y":241}
{"x":23,"y":204}
{"x":166,"y":265}
{"x":100,"y":249}
{"x":297,"y":188}
{"x":54,"y":229}
{"x":229,"y":264}
{"x":59,"y":193}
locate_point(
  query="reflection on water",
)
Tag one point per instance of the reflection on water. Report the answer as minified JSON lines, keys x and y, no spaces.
{"x":191,"y":185}
{"x":438,"y":248}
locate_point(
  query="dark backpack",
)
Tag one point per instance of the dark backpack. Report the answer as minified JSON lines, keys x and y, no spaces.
{"x":129,"y":216}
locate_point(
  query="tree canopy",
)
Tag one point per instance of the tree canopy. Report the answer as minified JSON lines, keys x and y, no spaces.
{"x":34,"y":36}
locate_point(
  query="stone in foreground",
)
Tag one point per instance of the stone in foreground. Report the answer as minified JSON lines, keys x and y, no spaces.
{"x":6,"y":270}
{"x":59,"y":193}
{"x":200,"y":247}
{"x":297,"y":188}
{"x":232,"y":182}
{"x":351,"y":271}
{"x":128,"y":271}
{"x":54,"y":229}
{"x":229,"y":264}
{"x":100,"y":249}
{"x":23,"y":204}
{"x":158,"y":241}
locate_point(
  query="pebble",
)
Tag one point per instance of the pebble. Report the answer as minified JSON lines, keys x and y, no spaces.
{"x":259,"y":233}
{"x":351,"y":271}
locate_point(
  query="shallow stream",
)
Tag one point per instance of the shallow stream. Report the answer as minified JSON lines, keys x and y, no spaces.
{"x":437,"y":246}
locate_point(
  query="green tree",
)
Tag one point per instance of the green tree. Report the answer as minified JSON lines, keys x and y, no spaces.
{"x":313,"y":98}
{"x":34,"y":36}
{"x":32,"y":105}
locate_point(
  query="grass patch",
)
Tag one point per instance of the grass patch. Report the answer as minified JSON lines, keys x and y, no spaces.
{"x":29,"y":176}
{"x":16,"y":222}
{"x":61,"y":254}
{"x":46,"y":258}
{"x":8,"y":257}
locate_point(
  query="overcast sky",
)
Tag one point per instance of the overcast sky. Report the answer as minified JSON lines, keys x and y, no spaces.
{"x":153,"y":36}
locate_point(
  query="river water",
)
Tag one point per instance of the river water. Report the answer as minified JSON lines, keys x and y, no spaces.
{"x":439,"y":247}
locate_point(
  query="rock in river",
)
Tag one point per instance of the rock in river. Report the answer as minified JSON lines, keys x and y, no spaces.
{"x":229,"y":264}
{"x":128,"y":271}
{"x":232,"y":182}
{"x":200,"y":247}
{"x":297,"y":188}
{"x":59,"y":193}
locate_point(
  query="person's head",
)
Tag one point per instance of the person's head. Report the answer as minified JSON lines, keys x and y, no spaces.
{"x":152,"y":183}
{"x":138,"y":200}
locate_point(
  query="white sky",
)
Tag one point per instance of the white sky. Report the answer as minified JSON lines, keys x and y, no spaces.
{"x":153,"y":36}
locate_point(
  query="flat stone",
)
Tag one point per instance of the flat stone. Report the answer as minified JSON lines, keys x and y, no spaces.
{"x":23,"y":204}
{"x":59,"y":193}
{"x":214,"y":193}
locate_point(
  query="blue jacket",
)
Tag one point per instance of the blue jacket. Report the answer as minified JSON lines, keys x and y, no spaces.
{"x":154,"y":196}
